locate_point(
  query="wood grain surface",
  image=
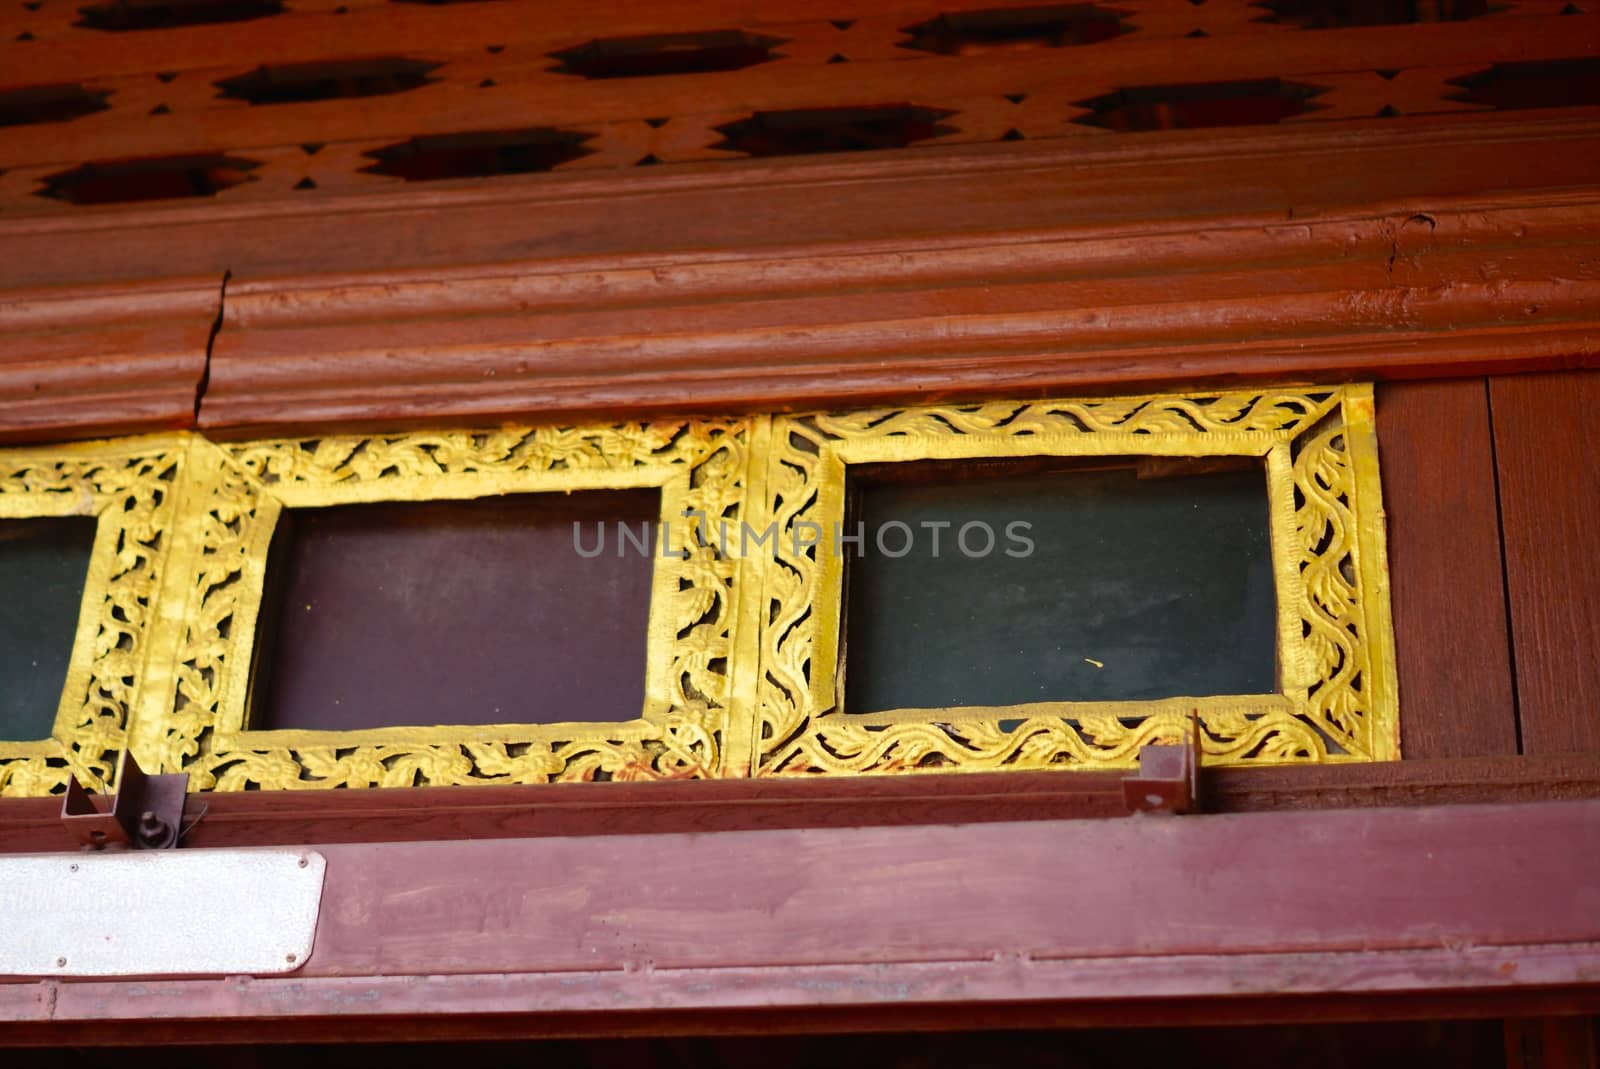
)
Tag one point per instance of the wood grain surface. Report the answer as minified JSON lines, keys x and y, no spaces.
{"x":1547,"y":439}
{"x":89,"y":361}
{"x":1402,"y":904}
{"x":276,"y":818}
{"x":1452,"y":642}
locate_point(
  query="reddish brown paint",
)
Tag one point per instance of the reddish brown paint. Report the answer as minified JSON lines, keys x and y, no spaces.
{"x":1449,"y":605}
{"x":459,"y":1020}
{"x":820,"y":326}
{"x":222,"y":125}
{"x":1551,"y":1043}
{"x":1130,"y":184}
{"x":1547,"y":439}
{"x":1485,"y":898}
{"x":957,"y":272}
{"x":85,"y":361}
{"x":274,"y":818}
{"x":1491,"y":875}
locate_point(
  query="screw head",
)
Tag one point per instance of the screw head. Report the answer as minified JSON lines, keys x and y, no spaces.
{"x":61,"y":963}
{"x":304,"y":862}
{"x":72,"y":867}
{"x":290,"y":958}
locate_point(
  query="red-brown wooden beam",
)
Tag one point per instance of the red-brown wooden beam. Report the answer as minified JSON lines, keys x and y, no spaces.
{"x":1398,"y":293}
{"x":1495,"y":900}
{"x":87,"y":361}
{"x":1337,"y":61}
{"x":1399,"y":250}
{"x":1389,"y":986}
{"x":1124,"y":184}
{"x":286,"y":818}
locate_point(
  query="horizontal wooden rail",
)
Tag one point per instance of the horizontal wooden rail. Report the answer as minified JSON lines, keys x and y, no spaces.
{"x":545,"y":934}
{"x":277,"y":818}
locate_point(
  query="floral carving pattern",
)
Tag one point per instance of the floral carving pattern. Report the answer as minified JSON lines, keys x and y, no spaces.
{"x":130,"y":486}
{"x":700,"y":466}
{"x":1338,"y":598}
{"x":185,"y":524}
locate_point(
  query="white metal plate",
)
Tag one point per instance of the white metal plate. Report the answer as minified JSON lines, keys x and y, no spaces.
{"x":159,"y":912}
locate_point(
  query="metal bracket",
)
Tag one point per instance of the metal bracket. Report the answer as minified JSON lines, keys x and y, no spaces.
{"x":145,"y":813}
{"x":1168,"y":780}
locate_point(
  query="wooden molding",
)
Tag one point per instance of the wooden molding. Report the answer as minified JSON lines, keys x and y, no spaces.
{"x":86,"y":361}
{"x":1461,"y":245}
{"x":1126,"y":183}
{"x":1396,"y":294}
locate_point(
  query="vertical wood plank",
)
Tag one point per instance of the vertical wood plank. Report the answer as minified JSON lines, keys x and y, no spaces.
{"x":1448,"y":598}
{"x":1547,"y":445}
{"x":1551,"y":1043}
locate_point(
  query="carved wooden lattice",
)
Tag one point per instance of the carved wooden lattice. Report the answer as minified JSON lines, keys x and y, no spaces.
{"x":232,"y":99}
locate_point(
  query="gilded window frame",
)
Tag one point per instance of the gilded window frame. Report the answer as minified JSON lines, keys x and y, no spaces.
{"x":168,"y":630}
{"x":198,"y":726}
{"x":1337,"y":697}
{"x":132,"y":487}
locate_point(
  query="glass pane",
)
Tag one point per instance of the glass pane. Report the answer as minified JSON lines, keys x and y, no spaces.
{"x":455,"y":612}
{"x":43,"y":566}
{"x":1069,"y":585}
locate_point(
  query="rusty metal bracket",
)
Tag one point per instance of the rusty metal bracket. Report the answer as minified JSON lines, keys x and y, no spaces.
{"x":1168,"y":780}
{"x":145,"y":813}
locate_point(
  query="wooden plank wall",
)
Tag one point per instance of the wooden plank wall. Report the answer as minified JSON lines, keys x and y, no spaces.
{"x":1444,"y":562}
{"x":1547,"y":440}
{"x":1493,"y":500}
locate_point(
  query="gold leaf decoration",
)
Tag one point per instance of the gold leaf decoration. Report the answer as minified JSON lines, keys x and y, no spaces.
{"x":130,"y":485}
{"x":700,"y":467}
{"x":1332,"y":705}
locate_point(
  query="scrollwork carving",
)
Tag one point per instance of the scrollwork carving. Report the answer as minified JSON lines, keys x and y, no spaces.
{"x":130,"y":486}
{"x":700,"y":466}
{"x":175,"y":595}
{"x":1333,"y":607}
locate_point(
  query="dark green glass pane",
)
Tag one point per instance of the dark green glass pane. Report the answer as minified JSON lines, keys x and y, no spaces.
{"x":43,"y":566}
{"x":1133,"y":589}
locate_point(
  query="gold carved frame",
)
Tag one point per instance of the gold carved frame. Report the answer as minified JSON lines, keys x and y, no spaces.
{"x":743,"y":651}
{"x":239,"y":491}
{"x":1336,"y":698}
{"x":131,"y":487}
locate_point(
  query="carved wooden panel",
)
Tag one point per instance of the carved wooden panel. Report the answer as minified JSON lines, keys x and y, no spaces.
{"x":229,"y":99}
